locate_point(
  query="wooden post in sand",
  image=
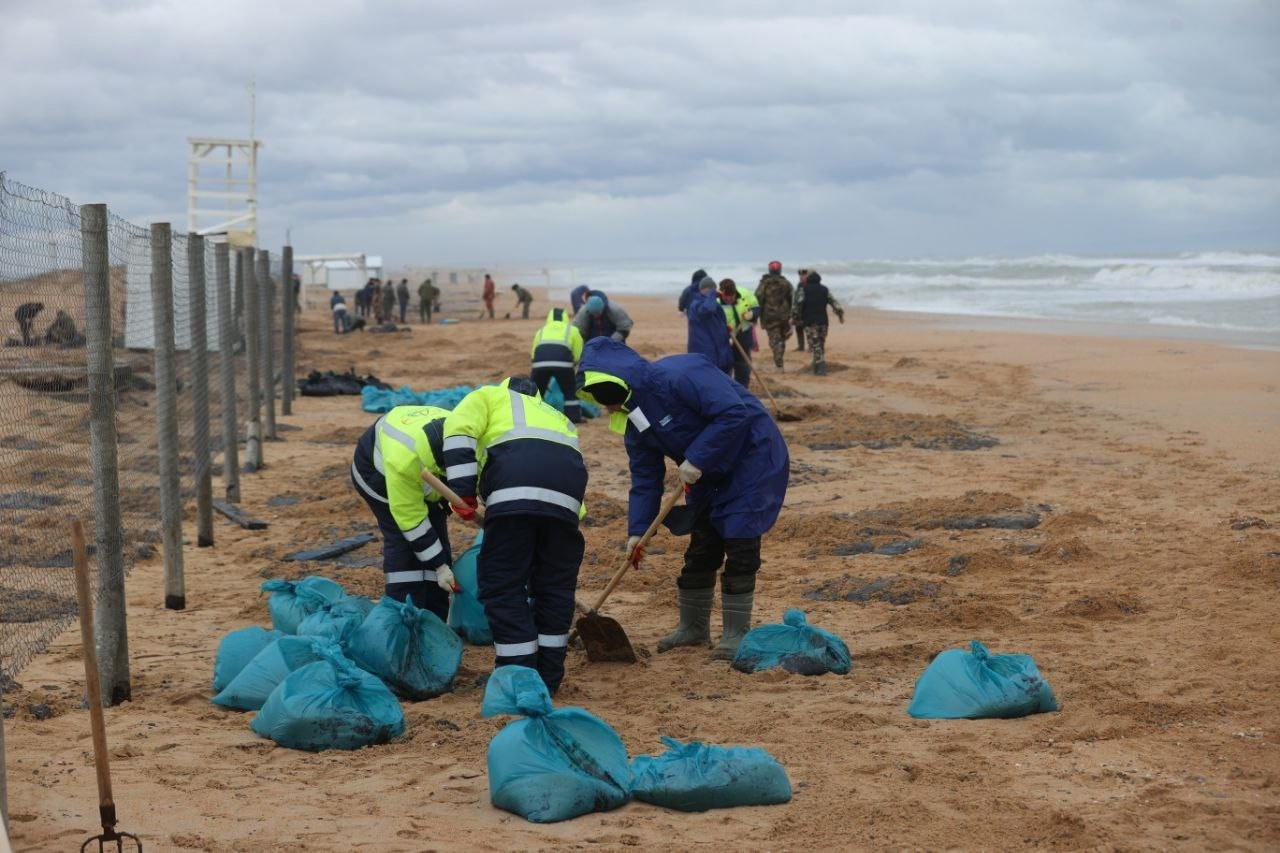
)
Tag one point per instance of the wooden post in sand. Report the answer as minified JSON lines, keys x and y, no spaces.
{"x":227,"y":373}
{"x":200,"y":390}
{"x":253,"y":342}
{"x":266,"y":303}
{"x":112,"y":639}
{"x":175,"y":597}
{"x":288,"y":300}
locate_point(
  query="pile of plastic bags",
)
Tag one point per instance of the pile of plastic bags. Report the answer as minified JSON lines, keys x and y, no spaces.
{"x":327,"y":675}
{"x":559,"y":763}
{"x":380,"y":401}
{"x":977,"y":684}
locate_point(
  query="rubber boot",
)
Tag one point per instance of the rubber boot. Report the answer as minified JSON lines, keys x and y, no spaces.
{"x":820,"y":369}
{"x":736,"y":609}
{"x":695,"y":620}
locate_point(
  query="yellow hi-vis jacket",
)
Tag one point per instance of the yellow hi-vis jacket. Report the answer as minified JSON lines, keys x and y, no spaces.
{"x":558,"y":344}
{"x":388,"y":467}
{"x":742,"y":313}
{"x":519,"y":455}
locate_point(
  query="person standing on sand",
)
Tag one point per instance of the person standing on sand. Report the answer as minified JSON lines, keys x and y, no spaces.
{"x":708,"y":331}
{"x":507,"y":448}
{"x":386,"y":470}
{"x":774,"y":293}
{"x":26,"y":317}
{"x":690,"y":290}
{"x":523,"y":299}
{"x":556,"y":349}
{"x":402,"y":297}
{"x":389,"y":303}
{"x":801,"y":275}
{"x":812,"y":299}
{"x":733,"y":461}
{"x":740,"y":313}
{"x":489,"y":295}
{"x":427,"y":294}
{"x":577,"y":296}
{"x":338,"y":305}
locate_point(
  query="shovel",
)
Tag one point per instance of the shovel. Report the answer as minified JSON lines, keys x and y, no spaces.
{"x":602,"y":636}
{"x":449,"y":494}
{"x":778,"y":414}
{"x":106,"y":805}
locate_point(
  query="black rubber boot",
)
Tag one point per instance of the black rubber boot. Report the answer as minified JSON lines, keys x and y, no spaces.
{"x":737,"y":622}
{"x":695,"y":620}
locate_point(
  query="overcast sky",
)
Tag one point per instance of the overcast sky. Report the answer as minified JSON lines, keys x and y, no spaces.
{"x":498,"y":132}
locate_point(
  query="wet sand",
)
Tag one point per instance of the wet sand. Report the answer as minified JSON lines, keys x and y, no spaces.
{"x":1147,"y":594}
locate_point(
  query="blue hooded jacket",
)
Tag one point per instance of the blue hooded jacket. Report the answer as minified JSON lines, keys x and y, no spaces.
{"x":708,"y":332}
{"x":682,"y":407}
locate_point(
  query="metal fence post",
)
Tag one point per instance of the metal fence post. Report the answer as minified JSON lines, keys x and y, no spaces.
{"x":253,"y":341}
{"x":200,"y":390}
{"x":227,"y":372}
{"x":290,"y":303}
{"x":111,"y":629}
{"x":266,"y":302}
{"x":167,"y":413}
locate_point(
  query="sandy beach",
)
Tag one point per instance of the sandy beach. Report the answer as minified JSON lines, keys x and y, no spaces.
{"x":1147,"y":594}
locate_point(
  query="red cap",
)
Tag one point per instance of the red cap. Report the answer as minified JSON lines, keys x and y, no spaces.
{"x":775,"y":266}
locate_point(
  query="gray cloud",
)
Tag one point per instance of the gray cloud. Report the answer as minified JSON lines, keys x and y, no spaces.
{"x":438,"y":132}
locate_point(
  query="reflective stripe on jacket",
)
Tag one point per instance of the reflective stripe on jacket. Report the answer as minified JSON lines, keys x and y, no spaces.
{"x":558,"y":343}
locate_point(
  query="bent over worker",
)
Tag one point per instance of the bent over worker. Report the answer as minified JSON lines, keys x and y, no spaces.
{"x":731,"y":456}
{"x":506,"y":447}
{"x":557,"y":346}
{"x":387,"y":472}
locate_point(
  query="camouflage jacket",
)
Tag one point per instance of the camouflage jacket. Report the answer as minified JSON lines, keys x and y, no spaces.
{"x":774,"y":295}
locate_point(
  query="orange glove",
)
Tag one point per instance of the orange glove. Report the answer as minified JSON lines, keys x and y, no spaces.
{"x":468,"y":512}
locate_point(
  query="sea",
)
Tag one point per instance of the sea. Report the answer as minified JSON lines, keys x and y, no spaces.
{"x":1229,"y":296}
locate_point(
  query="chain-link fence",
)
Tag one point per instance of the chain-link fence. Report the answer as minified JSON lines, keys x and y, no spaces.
{"x":124,"y":388}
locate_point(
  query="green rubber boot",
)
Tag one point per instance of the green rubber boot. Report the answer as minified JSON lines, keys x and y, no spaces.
{"x":695,"y":620}
{"x":737,"y":622}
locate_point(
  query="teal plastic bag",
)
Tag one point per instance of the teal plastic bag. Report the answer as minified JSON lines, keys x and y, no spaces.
{"x":378,"y":401}
{"x":293,"y":601}
{"x":251,"y":687}
{"x":410,"y":649}
{"x":795,"y":646}
{"x":237,"y":649}
{"x":695,"y":777}
{"x":337,"y":620}
{"x":554,"y":764}
{"x":554,"y":396}
{"x":977,"y":684}
{"x":466,"y":613}
{"x":330,"y":704}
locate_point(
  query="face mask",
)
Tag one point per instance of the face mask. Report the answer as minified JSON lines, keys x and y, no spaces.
{"x":618,"y":422}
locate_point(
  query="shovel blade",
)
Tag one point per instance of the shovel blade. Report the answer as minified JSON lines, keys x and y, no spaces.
{"x":604,"y":639}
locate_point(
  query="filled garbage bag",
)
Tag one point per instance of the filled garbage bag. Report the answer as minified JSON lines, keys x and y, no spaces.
{"x":337,"y":620}
{"x":695,"y":777}
{"x":466,"y":613}
{"x":554,"y":764}
{"x":236,"y":650}
{"x":795,"y":645}
{"x":409,"y":648}
{"x":554,"y":396}
{"x":976,"y":684}
{"x":330,"y":704}
{"x":249,"y":690}
{"x":293,"y":601}
{"x":382,"y":400}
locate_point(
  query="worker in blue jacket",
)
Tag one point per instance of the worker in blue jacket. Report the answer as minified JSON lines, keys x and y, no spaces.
{"x":731,"y":456}
{"x":708,"y":330}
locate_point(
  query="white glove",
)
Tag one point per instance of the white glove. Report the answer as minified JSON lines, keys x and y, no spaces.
{"x":444,"y":578}
{"x":632,"y":542}
{"x":689,"y":473}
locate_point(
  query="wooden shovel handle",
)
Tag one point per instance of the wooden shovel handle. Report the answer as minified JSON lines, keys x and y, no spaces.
{"x":667,"y":503}
{"x":96,"y":722}
{"x":449,"y":494}
{"x":757,"y":375}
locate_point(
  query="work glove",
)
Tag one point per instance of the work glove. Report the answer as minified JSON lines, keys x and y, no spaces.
{"x":689,"y":473}
{"x":634,"y":552}
{"x":468,"y":511}
{"x":446,"y":581}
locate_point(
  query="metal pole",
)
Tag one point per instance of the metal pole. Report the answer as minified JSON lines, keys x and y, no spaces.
{"x":175,"y":597}
{"x":253,"y":340}
{"x":266,"y":302}
{"x":290,"y":302}
{"x":200,"y":390}
{"x":112,"y":635}
{"x":227,"y":371}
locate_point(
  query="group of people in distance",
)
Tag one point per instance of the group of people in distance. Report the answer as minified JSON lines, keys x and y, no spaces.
{"x":379,"y":300}
{"x":514,"y":466}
